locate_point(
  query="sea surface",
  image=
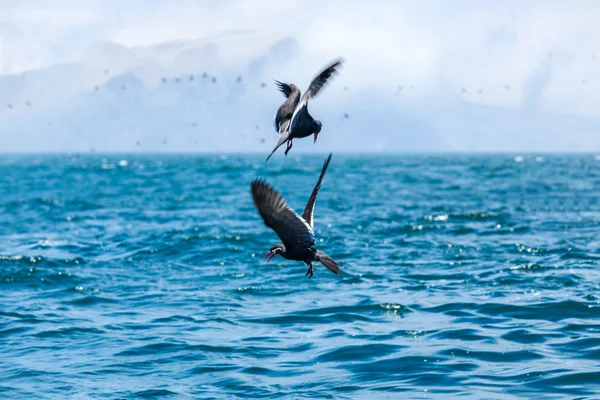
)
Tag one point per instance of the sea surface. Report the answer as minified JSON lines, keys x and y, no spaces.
{"x":142,"y":276}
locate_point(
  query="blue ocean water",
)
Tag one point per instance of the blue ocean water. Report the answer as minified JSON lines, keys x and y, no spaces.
{"x":141,"y":276}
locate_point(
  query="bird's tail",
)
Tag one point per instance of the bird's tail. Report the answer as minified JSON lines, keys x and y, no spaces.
{"x":328,"y":262}
{"x":282,"y":139}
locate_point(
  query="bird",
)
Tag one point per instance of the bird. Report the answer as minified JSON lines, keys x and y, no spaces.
{"x":295,"y":231}
{"x":292,"y":119}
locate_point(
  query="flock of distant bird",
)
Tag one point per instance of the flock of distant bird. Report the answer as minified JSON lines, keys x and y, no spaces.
{"x":296,"y":232}
{"x":304,"y":122}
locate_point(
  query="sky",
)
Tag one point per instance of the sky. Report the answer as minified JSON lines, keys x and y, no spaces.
{"x":459,"y":76}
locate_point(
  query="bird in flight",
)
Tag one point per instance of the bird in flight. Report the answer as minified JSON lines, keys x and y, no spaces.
{"x":295,"y":231}
{"x":292,"y":119}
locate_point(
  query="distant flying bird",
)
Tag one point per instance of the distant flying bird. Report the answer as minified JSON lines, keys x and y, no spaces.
{"x":480,"y":91}
{"x":346,"y":116}
{"x":214,"y":79}
{"x":123,"y":87}
{"x":204,"y":75}
{"x":463,"y":90}
{"x":507,"y":87}
{"x":239,"y":79}
{"x":263,"y":140}
{"x":292,"y":119}
{"x":191,"y":77}
{"x":296,"y":232}
{"x":138,"y":143}
{"x":593,"y":57}
{"x":28,"y":103}
{"x":106,"y":71}
{"x":96,"y":88}
{"x":584,"y":81}
{"x":177,"y":80}
{"x":9,"y":105}
{"x":263,"y":85}
{"x":164,"y":80}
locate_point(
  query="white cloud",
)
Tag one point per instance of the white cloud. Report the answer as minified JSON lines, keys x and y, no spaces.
{"x":516,"y":55}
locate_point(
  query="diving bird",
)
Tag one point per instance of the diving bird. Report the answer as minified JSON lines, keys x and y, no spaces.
{"x":292,"y":119}
{"x":295,"y":231}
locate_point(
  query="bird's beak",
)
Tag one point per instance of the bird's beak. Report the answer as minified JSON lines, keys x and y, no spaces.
{"x":270,"y":253}
{"x":316,"y":134}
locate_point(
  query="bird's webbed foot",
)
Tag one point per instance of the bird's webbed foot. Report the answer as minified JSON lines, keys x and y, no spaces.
{"x":309,"y":273}
{"x":289,"y":147}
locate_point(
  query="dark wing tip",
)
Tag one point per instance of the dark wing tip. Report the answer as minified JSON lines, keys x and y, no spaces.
{"x":321,"y":79}
{"x":338,"y":62}
{"x":259,"y":183}
{"x":283,"y":88}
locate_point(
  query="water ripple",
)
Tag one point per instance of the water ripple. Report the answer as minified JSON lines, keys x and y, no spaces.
{"x":136,"y":276}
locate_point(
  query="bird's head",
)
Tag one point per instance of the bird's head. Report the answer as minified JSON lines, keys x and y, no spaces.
{"x":294,"y":87}
{"x":279,"y":248}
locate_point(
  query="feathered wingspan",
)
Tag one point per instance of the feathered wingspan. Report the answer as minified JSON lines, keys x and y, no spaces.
{"x":292,"y":229}
{"x":315,"y":86}
{"x":321,"y":80}
{"x":309,"y":211}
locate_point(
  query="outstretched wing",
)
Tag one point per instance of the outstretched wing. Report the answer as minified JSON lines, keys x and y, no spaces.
{"x":315,"y":86}
{"x":284,"y":88}
{"x":309,"y":211}
{"x":321,"y":80}
{"x":292,"y":229}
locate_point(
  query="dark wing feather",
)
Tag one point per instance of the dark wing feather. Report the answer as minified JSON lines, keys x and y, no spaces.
{"x":309,"y":211}
{"x":315,"y":86}
{"x":290,"y":227}
{"x":320,"y":80}
{"x":284,"y":88}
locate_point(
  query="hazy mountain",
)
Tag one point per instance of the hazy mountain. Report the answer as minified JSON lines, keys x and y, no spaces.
{"x":217,"y":94}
